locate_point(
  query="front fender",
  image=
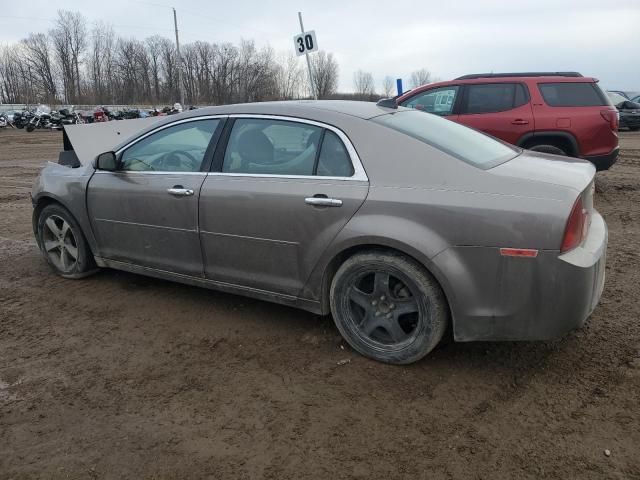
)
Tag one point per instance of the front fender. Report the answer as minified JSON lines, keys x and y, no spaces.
{"x":68,"y":187}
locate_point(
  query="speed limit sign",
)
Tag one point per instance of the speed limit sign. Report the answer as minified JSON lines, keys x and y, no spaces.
{"x":305,"y":42}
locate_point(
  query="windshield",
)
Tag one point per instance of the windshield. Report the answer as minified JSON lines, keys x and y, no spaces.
{"x":460,"y":142}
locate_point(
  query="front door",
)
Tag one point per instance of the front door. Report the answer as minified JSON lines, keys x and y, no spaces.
{"x":146,"y":212}
{"x":283,"y":190}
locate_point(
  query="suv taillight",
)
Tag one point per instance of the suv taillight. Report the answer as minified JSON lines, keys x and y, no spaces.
{"x":577,"y":227}
{"x":611,"y":117}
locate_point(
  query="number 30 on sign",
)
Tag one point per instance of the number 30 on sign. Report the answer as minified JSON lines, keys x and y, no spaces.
{"x":305,"y":42}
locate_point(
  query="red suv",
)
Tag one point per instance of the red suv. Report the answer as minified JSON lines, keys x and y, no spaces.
{"x":561,"y":112}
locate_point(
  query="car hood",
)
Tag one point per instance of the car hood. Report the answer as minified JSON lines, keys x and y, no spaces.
{"x":568,"y":172}
{"x":90,"y":140}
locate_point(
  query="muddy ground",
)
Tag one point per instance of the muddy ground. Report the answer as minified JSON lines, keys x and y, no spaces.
{"x":121,"y":376}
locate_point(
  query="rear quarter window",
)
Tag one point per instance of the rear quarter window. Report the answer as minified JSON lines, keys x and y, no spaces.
{"x":569,"y":94}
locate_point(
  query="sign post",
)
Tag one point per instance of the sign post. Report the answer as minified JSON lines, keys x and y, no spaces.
{"x":305,"y":43}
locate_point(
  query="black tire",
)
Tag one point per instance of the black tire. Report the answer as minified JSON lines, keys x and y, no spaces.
{"x":634,"y":129}
{"x":548,"y":149}
{"x":388,"y":307}
{"x":30,"y":127}
{"x":64,"y":246}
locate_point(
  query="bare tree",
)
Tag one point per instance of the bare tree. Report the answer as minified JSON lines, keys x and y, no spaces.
{"x":289,"y":77}
{"x":387,"y":87}
{"x":37,"y":55}
{"x":70,"y":66}
{"x":325,"y":74}
{"x":15,"y":80}
{"x":364,"y":85}
{"x":69,"y":44}
{"x":420,"y":77}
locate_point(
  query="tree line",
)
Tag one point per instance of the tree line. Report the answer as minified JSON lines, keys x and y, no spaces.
{"x":73,"y":64}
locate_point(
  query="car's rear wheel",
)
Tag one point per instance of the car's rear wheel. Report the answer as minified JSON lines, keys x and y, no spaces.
{"x":63,"y":244}
{"x":548,"y":149}
{"x":387,"y":307}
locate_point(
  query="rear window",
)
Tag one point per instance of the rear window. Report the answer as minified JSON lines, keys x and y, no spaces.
{"x":568,"y":94}
{"x":459,"y":141}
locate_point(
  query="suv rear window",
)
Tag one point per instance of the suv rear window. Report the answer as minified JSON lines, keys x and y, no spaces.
{"x":461,"y":142}
{"x":569,"y":94}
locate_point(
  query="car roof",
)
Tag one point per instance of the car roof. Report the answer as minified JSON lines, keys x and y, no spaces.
{"x":301,"y":108}
{"x":339,"y":113}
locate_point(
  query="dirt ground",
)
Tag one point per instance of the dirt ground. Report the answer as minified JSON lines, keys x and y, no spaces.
{"x":121,"y":376}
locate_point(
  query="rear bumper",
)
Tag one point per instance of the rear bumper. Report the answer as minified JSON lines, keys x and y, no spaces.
{"x":516,"y":298}
{"x":604,"y":162}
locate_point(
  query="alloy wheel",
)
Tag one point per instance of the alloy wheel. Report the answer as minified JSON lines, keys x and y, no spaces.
{"x":59,"y":243}
{"x":384,"y":308}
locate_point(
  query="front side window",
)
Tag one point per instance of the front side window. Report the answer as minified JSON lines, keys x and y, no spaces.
{"x":438,"y":100}
{"x":449,"y":137}
{"x":493,"y":97}
{"x":180,"y":148}
{"x":572,"y":94}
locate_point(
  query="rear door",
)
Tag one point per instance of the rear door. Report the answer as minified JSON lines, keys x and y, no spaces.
{"x":439,"y":101}
{"x":282,"y":190}
{"x":146,"y":212}
{"x":499,"y":109}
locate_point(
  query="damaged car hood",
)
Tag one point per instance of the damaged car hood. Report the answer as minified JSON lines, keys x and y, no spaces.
{"x":90,"y":140}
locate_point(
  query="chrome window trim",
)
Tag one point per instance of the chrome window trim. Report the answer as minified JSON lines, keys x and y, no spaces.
{"x":147,"y":172}
{"x":359,"y":173}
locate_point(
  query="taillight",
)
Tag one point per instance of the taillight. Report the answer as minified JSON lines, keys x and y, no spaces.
{"x":611,"y":117}
{"x":577,"y":227}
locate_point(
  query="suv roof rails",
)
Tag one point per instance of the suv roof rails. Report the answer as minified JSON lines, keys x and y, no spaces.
{"x":521,"y":74}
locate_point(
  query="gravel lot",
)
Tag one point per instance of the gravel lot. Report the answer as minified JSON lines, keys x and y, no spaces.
{"x":121,"y":376}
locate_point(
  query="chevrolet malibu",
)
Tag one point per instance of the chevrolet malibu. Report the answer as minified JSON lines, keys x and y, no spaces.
{"x":397,"y":222}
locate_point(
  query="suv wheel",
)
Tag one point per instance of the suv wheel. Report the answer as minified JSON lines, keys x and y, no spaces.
{"x":387,"y":307}
{"x":548,"y":149}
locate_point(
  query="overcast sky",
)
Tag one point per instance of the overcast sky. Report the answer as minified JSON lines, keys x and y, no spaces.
{"x":599,"y":38}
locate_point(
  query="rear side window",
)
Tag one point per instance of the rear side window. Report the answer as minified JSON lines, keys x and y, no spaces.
{"x":568,"y":94}
{"x":334,"y":161}
{"x":449,"y":137}
{"x":493,"y":97}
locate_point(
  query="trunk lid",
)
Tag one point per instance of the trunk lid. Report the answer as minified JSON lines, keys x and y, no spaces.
{"x":567,"y":172}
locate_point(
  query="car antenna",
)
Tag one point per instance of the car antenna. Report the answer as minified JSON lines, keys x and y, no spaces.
{"x":387,"y":103}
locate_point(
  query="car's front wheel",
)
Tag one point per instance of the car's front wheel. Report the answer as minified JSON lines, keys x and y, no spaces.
{"x":387,"y":307}
{"x":63,"y":244}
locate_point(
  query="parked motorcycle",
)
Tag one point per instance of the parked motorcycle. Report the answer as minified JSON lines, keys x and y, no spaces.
{"x":64,"y":117}
{"x":41,"y":118}
{"x":22,"y":118}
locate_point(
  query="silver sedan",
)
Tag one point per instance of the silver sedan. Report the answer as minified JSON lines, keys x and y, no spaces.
{"x":397,"y":222}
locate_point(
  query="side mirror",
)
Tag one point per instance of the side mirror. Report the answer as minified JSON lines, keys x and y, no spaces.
{"x":107,"y":161}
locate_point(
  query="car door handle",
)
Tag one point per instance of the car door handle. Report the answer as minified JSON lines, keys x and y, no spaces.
{"x":520,"y":121}
{"x":323,"y":202}
{"x":178,"y":191}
